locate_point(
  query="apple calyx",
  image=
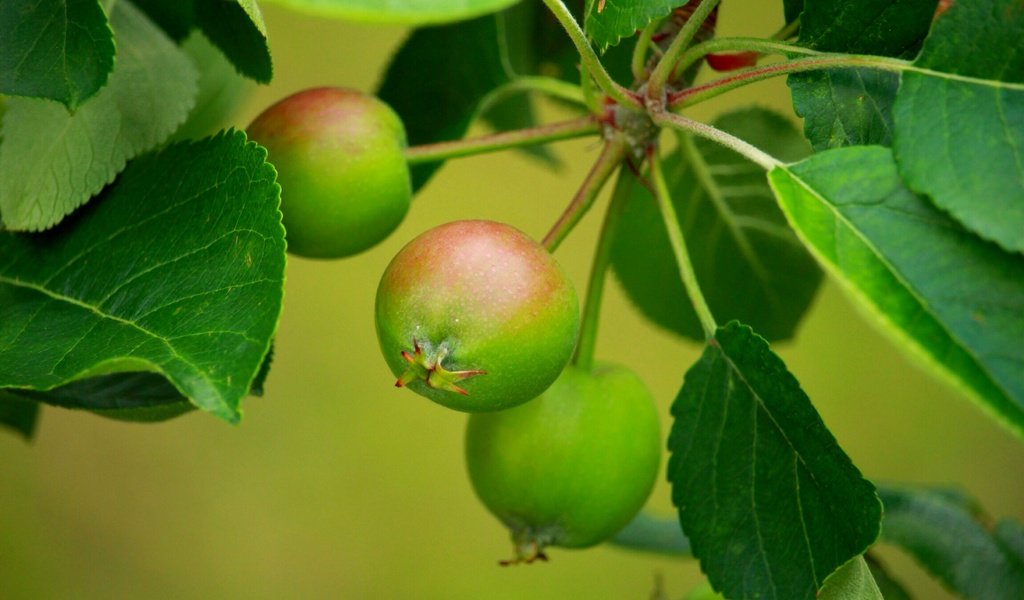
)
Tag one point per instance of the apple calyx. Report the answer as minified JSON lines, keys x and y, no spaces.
{"x":427,"y":367}
{"x":529,"y":549}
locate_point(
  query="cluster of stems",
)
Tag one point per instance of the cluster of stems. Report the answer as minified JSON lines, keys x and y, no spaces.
{"x":651,"y":99}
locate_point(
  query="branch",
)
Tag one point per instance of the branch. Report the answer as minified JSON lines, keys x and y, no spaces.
{"x":500,"y":141}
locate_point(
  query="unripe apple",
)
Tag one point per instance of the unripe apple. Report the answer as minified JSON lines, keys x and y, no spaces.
{"x":340,"y":161}
{"x":476,"y":316}
{"x":572,"y":467}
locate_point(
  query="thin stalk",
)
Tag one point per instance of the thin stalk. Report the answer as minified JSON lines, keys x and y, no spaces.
{"x":739,"y":44}
{"x":700,"y":93}
{"x":714,"y":134}
{"x":675,"y":236}
{"x":494,"y":142}
{"x":611,"y":155}
{"x":662,"y":72}
{"x":639,"y":62}
{"x":556,"y":88}
{"x":584,"y":357}
{"x":590,"y":59}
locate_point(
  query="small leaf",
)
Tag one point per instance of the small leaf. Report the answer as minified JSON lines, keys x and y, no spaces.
{"x":177,"y":269}
{"x":949,"y":297}
{"x":411,"y":12}
{"x":140,"y":396}
{"x":237,"y":28}
{"x":960,"y":124}
{"x":848,"y":107}
{"x":951,"y":543}
{"x":465,"y":63}
{"x":18,"y":414}
{"x":52,"y":162}
{"x":736,"y":235}
{"x":770,"y":502}
{"x":62,"y":50}
{"x":608,"y":22}
{"x":853,"y":581}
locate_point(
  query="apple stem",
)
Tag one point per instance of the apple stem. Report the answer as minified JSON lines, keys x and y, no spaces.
{"x":612,"y":154}
{"x":504,"y":140}
{"x":584,"y":356}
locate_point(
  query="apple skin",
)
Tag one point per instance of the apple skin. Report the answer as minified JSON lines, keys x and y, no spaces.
{"x":486,"y":299}
{"x":572,"y":467}
{"x":340,"y":161}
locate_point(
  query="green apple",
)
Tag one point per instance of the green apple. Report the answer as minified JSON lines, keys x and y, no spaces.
{"x":340,"y":161}
{"x":572,"y":467}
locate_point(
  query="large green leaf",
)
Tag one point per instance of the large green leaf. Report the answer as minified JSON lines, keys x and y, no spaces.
{"x":960,"y":125}
{"x":853,"y":581}
{"x":465,"y":62}
{"x":950,"y":297}
{"x":52,"y":161}
{"x":771,"y":504}
{"x":60,"y":49}
{"x":736,"y":235}
{"x":608,"y":22}
{"x":176,"y":269}
{"x":18,"y":414}
{"x":952,"y":543}
{"x":413,"y":12}
{"x":844,"y":107}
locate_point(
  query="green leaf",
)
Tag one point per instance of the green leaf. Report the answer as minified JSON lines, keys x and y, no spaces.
{"x":221,"y":88}
{"x":853,"y":581}
{"x":175,"y":17}
{"x":960,"y":125}
{"x":60,"y":49}
{"x":52,"y":162}
{"x":138,"y":396}
{"x":18,"y":414}
{"x":177,"y":269}
{"x":465,"y":63}
{"x":237,"y":28}
{"x":736,"y":235}
{"x":792,"y":9}
{"x":770,"y":502}
{"x":949,"y":297}
{"x":412,"y":12}
{"x":951,"y":543}
{"x":608,"y":22}
{"x":848,"y":107}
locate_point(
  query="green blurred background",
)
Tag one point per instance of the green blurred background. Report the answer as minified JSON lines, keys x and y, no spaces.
{"x":338,"y":485}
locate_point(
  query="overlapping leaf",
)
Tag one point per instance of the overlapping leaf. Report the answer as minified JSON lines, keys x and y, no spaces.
{"x":843,"y":107}
{"x":736,"y":236}
{"x":950,"y":297}
{"x":234,"y":26}
{"x":221,"y":88}
{"x":853,"y":581}
{"x":608,"y":22}
{"x":176,"y":269}
{"x":62,"y":50}
{"x":412,"y":12}
{"x":960,"y":124}
{"x":52,"y":161}
{"x":18,"y":414}
{"x":771,"y":504}
{"x":954,"y":544}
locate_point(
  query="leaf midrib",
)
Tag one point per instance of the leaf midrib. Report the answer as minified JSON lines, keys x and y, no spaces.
{"x":841,"y":218}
